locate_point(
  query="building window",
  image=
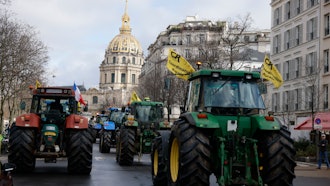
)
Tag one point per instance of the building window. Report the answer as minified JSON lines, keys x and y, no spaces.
{"x":113,"y":60}
{"x":112,"y":77}
{"x":276,"y":44}
{"x":309,"y":95}
{"x":287,"y":39}
{"x":311,"y":29}
{"x":295,"y":100}
{"x":310,"y":63}
{"x":124,"y":60}
{"x":188,"y":39}
{"x":187,"y":53}
{"x":202,"y":38}
{"x":326,"y":24}
{"x":287,"y":11}
{"x":95,"y":99}
{"x":326,"y":96}
{"x":297,"y":66}
{"x":133,"y":60}
{"x":298,"y":7}
{"x":294,"y":68}
{"x":285,"y":101}
{"x":123,"y":78}
{"x":133,"y":79}
{"x":200,"y":53}
{"x":286,"y":70}
{"x":311,"y":3}
{"x":326,"y":60}
{"x":298,"y":35}
{"x":275,"y":102}
{"x":277,"y":16}
{"x":246,"y":39}
{"x":105,"y":78}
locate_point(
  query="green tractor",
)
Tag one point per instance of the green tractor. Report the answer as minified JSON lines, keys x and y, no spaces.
{"x":223,"y":133}
{"x":143,"y":122}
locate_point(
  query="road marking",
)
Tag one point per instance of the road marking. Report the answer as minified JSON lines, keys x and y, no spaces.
{"x":99,"y":158}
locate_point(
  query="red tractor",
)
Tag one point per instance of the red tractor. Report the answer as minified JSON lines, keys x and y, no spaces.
{"x":53,"y":129}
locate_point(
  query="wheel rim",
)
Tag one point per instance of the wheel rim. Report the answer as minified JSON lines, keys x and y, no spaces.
{"x":174,"y":160}
{"x":155,"y":165}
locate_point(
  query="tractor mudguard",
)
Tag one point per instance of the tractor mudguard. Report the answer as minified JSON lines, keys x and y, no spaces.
{"x":109,"y":125}
{"x":204,"y":121}
{"x":28,"y":120}
{"x":75,"y":121}
{"x":264,"y":123}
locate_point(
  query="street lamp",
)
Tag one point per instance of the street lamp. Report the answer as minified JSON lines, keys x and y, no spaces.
{"x":198,"y":63}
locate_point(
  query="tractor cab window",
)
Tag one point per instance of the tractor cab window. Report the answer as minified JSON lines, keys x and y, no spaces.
{"x":232,"y":94}
{"x":193,"y":96}
{"x":147,"y":113}
{"x":53,"y":105}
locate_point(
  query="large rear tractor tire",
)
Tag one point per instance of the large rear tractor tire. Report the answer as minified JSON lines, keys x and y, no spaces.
{"x":21,"y":148}
{"x":189,"y":156}
{"x":159,"y":158}
{"x":105,"y":142}
{"x":80,"y":152}
{"x":276,"y":153}
{"x":126,"y":146}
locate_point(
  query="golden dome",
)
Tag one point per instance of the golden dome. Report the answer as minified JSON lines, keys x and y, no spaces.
{"x":125,"y":41}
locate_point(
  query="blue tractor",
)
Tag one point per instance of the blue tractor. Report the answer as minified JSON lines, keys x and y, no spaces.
{"x":107,"y":133}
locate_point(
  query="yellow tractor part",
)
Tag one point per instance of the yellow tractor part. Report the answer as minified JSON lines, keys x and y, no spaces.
{"x":155,"y":163}
{"x":174,"y":160}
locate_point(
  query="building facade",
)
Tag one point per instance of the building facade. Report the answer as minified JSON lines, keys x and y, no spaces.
{"x":300,"y":50}
{"x":201,"y":40}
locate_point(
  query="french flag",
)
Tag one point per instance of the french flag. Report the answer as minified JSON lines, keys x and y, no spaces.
{"x":77,"y":94}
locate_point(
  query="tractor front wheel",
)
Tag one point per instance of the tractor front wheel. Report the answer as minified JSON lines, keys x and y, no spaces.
{"x":105,"y":142}
{"x":126,"y":146}
{"x":159,"y":157}
{"x":189,"y":156}
{"x":21,"y":148}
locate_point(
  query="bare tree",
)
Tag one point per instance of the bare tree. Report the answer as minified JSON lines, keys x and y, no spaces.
{"x":233,"y":45}
{"x":23,"y":59}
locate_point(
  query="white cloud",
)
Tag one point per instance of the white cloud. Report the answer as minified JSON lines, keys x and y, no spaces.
{"x":77,"y":32}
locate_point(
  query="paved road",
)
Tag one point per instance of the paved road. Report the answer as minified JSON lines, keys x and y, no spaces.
{"x":107,"y":172}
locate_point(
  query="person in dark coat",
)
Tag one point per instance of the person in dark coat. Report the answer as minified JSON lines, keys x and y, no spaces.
{"x":323,"y":153}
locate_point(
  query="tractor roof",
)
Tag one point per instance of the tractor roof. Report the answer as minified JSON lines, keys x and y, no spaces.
{"x":228,"y":73}
{"x":147,"y":103}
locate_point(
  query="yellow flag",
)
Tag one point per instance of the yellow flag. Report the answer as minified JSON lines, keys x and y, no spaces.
{"x":134,"y":97}
{"x":178,"y":65}
{"x":270,"y":72}
{"x":38,"y":84}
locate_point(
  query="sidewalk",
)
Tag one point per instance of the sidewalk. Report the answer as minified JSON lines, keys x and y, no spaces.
{"x":307,"y":169}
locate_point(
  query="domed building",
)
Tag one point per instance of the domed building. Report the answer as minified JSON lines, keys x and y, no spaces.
{"x":121,"y":67}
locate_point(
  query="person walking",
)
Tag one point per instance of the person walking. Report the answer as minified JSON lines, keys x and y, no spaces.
{"x":323,"y":153}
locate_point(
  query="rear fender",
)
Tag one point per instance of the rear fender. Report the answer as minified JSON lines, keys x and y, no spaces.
{"x":260,"y":122}
{"x":193,"y":118}
{"x":28,"y":120}
{"x":75,"y":121}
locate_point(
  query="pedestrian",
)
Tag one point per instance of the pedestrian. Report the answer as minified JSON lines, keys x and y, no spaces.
{"x":323,"y":153}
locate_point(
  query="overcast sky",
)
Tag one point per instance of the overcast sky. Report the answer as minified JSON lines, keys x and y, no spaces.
{"x":77,"y":32}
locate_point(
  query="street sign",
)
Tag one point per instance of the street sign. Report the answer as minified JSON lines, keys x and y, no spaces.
{"x":317,"y":120}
